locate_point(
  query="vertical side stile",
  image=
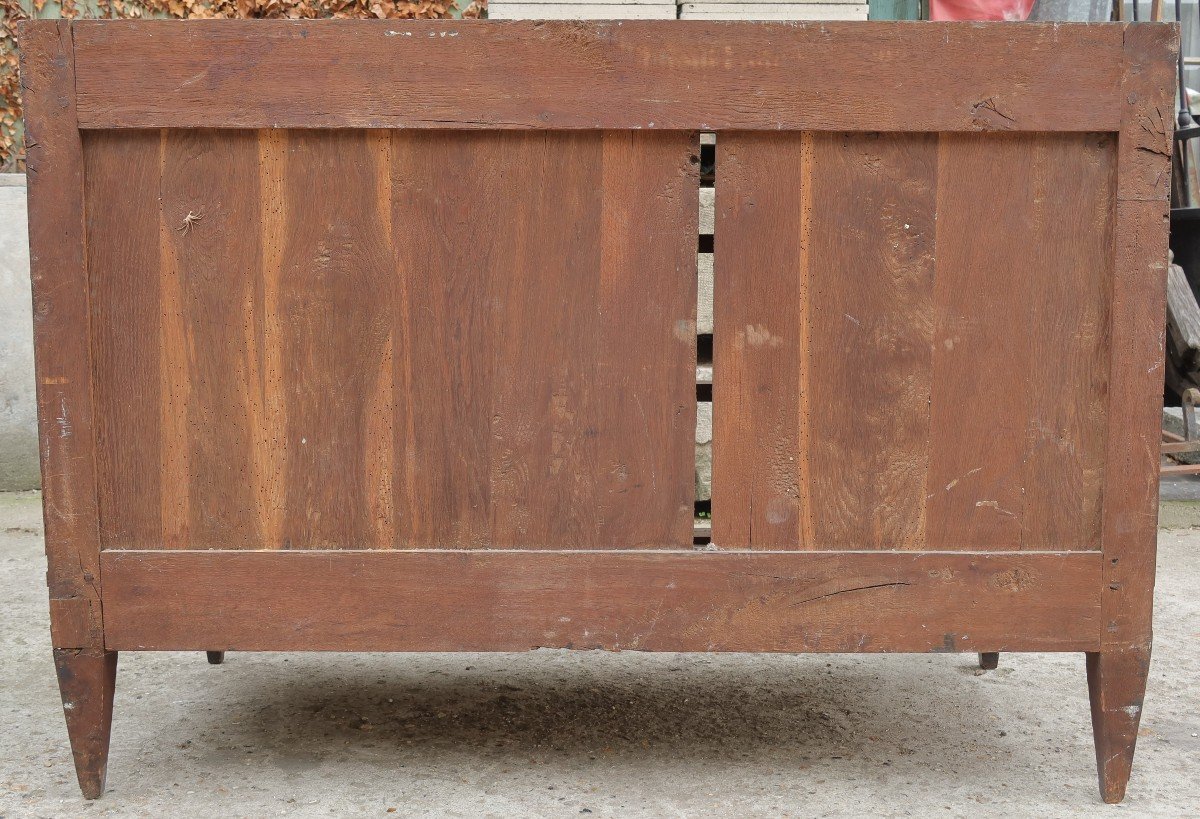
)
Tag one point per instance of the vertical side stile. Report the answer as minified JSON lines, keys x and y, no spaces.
{"x":1137,"y":322}
{"x":1117,"y":673}
{"x":63,"y":361}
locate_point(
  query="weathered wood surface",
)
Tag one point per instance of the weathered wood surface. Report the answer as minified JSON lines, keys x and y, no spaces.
{"x":87,"y":682}
{"x":894,"y":289}
{"x":308,"y":385}
{"x":1116,"y":688}
{"x":652,"y":601}
{"x":416,"y":340}
{"x":1117,"y":673}
{"x":628,"y":74}
{"x":1183,"y":323}
{"x":1137,"y":338}
{"x":60,"y":318}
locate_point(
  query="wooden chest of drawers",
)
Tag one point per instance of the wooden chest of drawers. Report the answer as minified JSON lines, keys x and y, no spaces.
{"x":381,"y":336}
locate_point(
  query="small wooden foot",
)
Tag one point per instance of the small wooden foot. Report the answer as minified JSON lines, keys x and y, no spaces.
{"x":1116,"y":685}
{"x":87,"y":679}
{"x":215,"y":657}
{"x":989,"y":660}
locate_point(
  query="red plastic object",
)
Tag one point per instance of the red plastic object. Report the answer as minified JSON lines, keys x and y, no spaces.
{"x":979,"y":9}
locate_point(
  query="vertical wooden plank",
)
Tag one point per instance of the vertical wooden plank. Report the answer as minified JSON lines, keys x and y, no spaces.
{"x":1070,"y":283}
{"x":1018,"y":393}
{"x":1137,"y":322}
{"x":123,"y":272}
{"x":760,"y":341}
{"x":174,"y":382}
{"x":63,"y":362}
{"x":980,"y":395}
{"x":448,"y":199}
{"x":211,"y":263}
{"x":334,"y":299}
{"x":380,"y":419}
{"x":930,"y":417}
{"x":266,"y":405}
{"x":822,"y":237}
{"x":543,"y":465}
{"x":647,"y":331}
{"x":871,"y":271}
{"x":545,"y":339}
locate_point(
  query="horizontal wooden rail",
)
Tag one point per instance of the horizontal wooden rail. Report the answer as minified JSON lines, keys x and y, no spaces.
{"x":711,"y":75}
{"x":656,"y":601}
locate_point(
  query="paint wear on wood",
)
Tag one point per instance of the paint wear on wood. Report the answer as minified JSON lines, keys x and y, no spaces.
{"x":382,"y":336}
{"x":614,"y":600}
{"x":590,"y":75}
{"x":980,"y":381}
{"x":412,"y":342}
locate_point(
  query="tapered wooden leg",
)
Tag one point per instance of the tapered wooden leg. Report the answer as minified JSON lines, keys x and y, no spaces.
{"x":1116,"y":685}
{"x":989,"y":660}
{"x":87,"y":679}
{"x":215,"y":657}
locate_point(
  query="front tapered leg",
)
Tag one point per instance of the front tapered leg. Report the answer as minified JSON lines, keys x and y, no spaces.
{"x":87,"y":679}
{"x":215,"y":657}
{"x":989,"y":660}
{"x":1116,"y":685}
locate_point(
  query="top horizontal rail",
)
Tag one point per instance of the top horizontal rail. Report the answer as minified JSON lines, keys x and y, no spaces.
{"x":876,"y":76}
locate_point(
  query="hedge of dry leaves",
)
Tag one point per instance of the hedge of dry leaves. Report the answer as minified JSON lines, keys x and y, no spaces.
{"x":11,"y":149}
{"x":12,"y":154}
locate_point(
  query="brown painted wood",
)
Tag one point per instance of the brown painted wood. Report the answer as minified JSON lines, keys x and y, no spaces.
{"x":87,"y":681}
{"x":355,"y":339}
{"x":123,"y":235}
{"x":1018,"y":398}
{"x":989,"y":660}
{"x":429,"y":387}
{"x":333,"y":310}
{"x":1137,"y":331}
{"x":1117,"y":674}
{"x":570,"y":369}
{"x":215,"y":657}
{"x":210,"y":245}
{"x":457,"y":600}
{"x":1117,"y":687}
{"x":756,"y":374}
{"x":893,"y":368}
{"x":620,"y":75}
{"x":60,"y":311}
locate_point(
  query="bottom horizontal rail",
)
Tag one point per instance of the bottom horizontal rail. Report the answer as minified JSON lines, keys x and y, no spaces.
{"x":627,"y":600}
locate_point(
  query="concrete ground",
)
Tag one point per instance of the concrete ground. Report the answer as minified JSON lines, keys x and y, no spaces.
{"x":563,"y":734}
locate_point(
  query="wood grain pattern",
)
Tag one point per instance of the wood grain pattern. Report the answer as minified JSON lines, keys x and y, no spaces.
{"x":442,"y":338}
{"x":652,"y":601}
{"x":1116,"y":689}
{"x":1117,"y":673}
{"x":620,"y":75}
{"x":334,"y":303}
{"x":647,"y":297}
{"x":124,"y":272}
{"x":893,"y":365}
{"x":390,"y":340}
{"x":871,"y":272}
{"x":275,"y":367}
{"x":759,"y":365}
{"x":210,"y":254}
{"x":1019,"y":391}
{"x":1137,"y":337}
{"x":60,"y":319}
{"x":87,"y":682}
